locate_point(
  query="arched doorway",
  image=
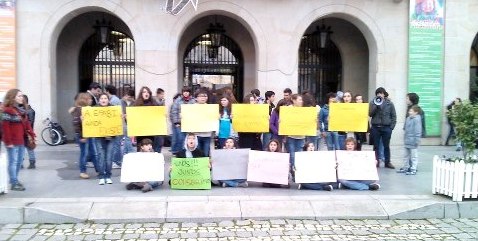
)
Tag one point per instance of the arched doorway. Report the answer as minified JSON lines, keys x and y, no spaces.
{"x":214,"y":67}
{"x":333,"y":55}
{"x":474,"y":70}
{"x":82,"y":56}
{"x":217,"y":51}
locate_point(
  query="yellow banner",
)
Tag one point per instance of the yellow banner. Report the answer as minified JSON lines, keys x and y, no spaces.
{"x":102,"y":121}
{"x":298,"y":121}
{"x":348,"y":117}
{"x":146,"y":120}
{"x":250,"y":118}
{"x":199,"y":117}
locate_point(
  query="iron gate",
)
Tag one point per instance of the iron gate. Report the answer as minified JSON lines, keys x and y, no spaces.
{"x":111,"y":63}
{"x":320,"y":69}
{"x":223,"y":66}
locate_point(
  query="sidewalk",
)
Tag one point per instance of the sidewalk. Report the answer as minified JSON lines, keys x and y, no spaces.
{"x":55,"y":194}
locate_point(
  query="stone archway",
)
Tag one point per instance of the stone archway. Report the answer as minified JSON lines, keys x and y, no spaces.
{"x":81,"y":59}
{"x":474,"y":70}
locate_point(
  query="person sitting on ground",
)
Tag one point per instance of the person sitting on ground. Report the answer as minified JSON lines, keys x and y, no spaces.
{"x":230,"y":143}
{"x":146,"y":145}
{"x":350,"y":145}
{"x":309,"y":146}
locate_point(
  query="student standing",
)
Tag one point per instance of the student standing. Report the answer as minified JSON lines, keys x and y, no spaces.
{"x":295,"y":143}
{"x":204,"y":138}
{"x":175,"y":116}
{"x":250,"y":140}
{"x":15,"y":126}
{"x":274,"y":120}
{"x":30,"y":112}
{"x":145,"y":98}
{"x":82,"y":100}
{"x":270,"y":98}
{"x":413,"y":132}
{"x":224,"y":121}
{"x":331,"y":137}
{"x":361,"y":137}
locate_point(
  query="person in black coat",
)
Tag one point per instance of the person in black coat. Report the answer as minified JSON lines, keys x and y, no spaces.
{"x":190,"y":149}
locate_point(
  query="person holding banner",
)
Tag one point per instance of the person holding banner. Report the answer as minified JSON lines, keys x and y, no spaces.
{"x":384,"y":119}
{"x":175,"y":116}
{"x":145,"y":98}
{"x":105,"y":149}
{"x":331,"y":137}
{"x":224,"y":121}
{"x":274,"y":120}
{"x":361,"y":137}
{"x":82,"y":100}
{"x":250,"y":140}
{"x":190,"y":149}
{"x":204,"y":138}
{"x":295,"y":143}
{"x":309,"y":146}
{"x":146,"y":145}
{"x":274,"y":146}
{"x":230,"y":143}
{"x":350,"y":145}
{"x":270,"y":97}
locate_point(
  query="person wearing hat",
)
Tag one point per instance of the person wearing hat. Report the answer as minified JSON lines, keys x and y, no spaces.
{"x":384,"y":119}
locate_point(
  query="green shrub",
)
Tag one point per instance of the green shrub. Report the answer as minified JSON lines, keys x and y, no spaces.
{"x":465,"y":118}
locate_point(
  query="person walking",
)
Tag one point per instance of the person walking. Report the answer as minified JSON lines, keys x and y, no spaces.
{"x":384,"y":119}
{"x":31,"y":118}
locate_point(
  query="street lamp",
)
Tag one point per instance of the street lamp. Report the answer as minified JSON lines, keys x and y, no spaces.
{"x":323,"y":35}
{"x":215,"y":32}
{"x":103,"y":30}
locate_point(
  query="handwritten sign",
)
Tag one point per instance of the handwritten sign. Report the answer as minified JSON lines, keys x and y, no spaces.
{"x":190,"y":173}
{"x":356,"y":165}
{"x":268,"y":167}
{"x":229,"y":164}
{"x":146,"y":120}
{"x":298,"y":121}
{"x":250,"y":118}
{"x":348,"y":117}
{"x":142,"y":167}
{"x":315,"y":167}
{"x":199,"y":117}
{"x":102,"y":121}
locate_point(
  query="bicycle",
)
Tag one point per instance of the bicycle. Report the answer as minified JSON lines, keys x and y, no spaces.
{"x":53,"y":134}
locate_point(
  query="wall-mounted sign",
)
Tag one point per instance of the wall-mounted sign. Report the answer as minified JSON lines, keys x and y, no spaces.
{"x":175,"y":8}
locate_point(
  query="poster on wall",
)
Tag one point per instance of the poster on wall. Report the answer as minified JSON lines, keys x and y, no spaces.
{"x":7,"y":46}
{"x":425,"y":58}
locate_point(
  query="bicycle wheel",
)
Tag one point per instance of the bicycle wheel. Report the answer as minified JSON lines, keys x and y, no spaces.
{"x":51,"y":136}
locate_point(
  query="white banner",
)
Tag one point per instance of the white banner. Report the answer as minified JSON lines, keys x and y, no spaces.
{"x":315,"y":167}
{"x":142,"y":167}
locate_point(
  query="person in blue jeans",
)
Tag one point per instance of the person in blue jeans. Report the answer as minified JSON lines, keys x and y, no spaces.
{"x":295,"y":143}
{"x":82,"y":100}
{"x":350,"y":145}
{"x":204,"y":138}
{"x":146,"y":145}
{"x":270,"y":97}
{"x":309,"y":146}
{"x":229,"y":144}
{"x":175,"y":116}
{"x":331,"y":137}
{"x":224,"y":121}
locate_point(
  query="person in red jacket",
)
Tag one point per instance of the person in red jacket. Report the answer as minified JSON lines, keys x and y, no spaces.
{"x":15,"y":127}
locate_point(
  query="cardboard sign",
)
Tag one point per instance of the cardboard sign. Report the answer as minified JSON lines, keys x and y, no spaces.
{"x":199,"y":117}
{"x":146,"y":120}
{"x":268,"y":167}
{"x":356,"y":165}
{"x":315,"y":167}
{"x":190,"y":173}
{"x":298,"y":121}
{"x":250,"y":118}
{"x":102,"y":121}
{"x":229,"y":164}
{"x":348,"y":117}
{"x":142,"y":167}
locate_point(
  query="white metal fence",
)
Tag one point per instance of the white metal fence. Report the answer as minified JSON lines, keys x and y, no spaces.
{"x":455,"y":179}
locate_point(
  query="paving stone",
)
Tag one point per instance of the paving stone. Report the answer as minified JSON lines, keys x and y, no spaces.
{"x":115,"y":226}
{"x":170,"y":225}
{"x":148,"y":236}
{"x":113,"y":236}
{"x":82,"y":225}
{"x":209,"y":225}
{"x":226,"y":234}
{"x":243,"y":222}
{"x":207,"y":235}
{"x":21,"y":237}
{"x":226,"y":224}
{"x":292,"y":233}
{"x":27,"y":231}
{"x":461,"y":236}
{"x":243,"y":234}
{"x":169,"y":235}
{"x":59,"y":238}
{"x":131,"y":236}
{"x":29,"y":226}
{"x":93,"y":237}
{"x":36,"y":238}
{"x":133,"y":226}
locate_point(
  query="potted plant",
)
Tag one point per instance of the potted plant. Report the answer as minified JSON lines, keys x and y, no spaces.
{"x":457,"y":177}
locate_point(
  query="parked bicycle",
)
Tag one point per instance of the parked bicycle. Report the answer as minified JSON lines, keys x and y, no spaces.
{"x":53,"y":134}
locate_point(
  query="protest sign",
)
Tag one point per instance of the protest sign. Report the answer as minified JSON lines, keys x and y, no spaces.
{"x":348,"y":117}
{"x":142,"y":167}
{"x":229,"y":164}
{"x":356,"y":165}
{"x":146,"y":120}
{"x":190,"y":173}
{"x":199,"y":117}
{"x":268,"y":167}
{"x":102,"y":121}
{"x":315,"y":167}
{"x":250,"y":118}
{"x":299,"y":121}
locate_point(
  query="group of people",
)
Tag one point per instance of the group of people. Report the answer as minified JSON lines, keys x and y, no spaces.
{"x":106,"y":152}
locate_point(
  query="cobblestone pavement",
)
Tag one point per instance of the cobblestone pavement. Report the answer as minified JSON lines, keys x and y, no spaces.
{"x":430,"y":229}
